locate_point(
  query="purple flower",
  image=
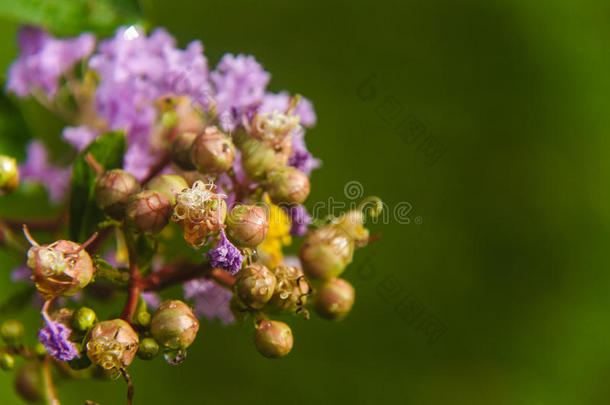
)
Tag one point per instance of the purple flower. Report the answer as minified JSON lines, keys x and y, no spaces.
{"x":54,"y":336}
{"x":79,"y":137}
{"x":44,"y":59}
{"x":37,"y":168}
{"x":152,"y":299}
{"x":225,"y":255}
{"x":240,"y":82}
{"x":211,"y":300}
{"x":281,"y":102}
{"x":21,"y":273}
{"x":300,"y":157}
{"x":299,"y":218}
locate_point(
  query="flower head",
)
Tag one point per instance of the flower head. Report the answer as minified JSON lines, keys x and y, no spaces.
{"x":38,"y":169}
{"x":225,"y":255}
{"x":211,"y":300}
{"x":281,"y":102}
{"x":54,"y":336}
{"x":300,"y":157}
{"x":300,"y":219}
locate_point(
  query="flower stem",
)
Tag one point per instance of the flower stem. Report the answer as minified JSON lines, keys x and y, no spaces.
{"x":133,"y":293}
{"x":48,"y":382}
{"x":130,"y":388}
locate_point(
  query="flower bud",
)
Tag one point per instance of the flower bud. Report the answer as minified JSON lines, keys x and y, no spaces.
{"x":255,"y":285}
{"x":259,"y":158}
{"x":149,"y":211}
{"x":326,"y":252}
{"x":113,"y":189}
{"x":287,"y":185}
{"x":352,"y":224}
{"x":29,"y":382}
{"x":11,"y":332}
{"x":83,"y":319}
{"x":149,"y":348}
{"x":180,"y":151}
{"x":143,"y":319}
{"x":291,"y":290}
{"x":170,"y":185}
{"x":7,"y":362}
{"x":334,"y":299}
{"x":212,"y":151}
{"x":173,"y":325}
{"x":9,"y":174}
{"x":39,"y":349}
{"x":112,"y":344}
{"x":273,"y":339}
{"x":247,"y":225}
{"x":61,"y":268}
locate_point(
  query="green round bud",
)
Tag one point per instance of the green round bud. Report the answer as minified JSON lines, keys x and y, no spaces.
{"x":11,"y":332}
{"x":149,"y":348}
{"x":212,"y":151}
{"x":29,"y":382}
{"x":247,"y":225}
{"x":326,"y":252}
{"x":112,"y":344}
{"x":180,"y":151}
{"x":334,"y":299}
{"x":170,"y":185}
{"x":255,"y":285}
{"x":83,"y":319}
{"x":143,"y":319}
{"x":173,"y":325}
{"x":149,"y":211}
{"x":113,"y":189}
{"x":273,"y":339}
{"x":39,"y":349}
{"x":9,"y":175}
{"x":288,"y":185}
{"x":7,"y":361}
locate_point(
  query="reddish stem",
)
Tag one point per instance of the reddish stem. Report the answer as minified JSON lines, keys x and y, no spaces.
{"x":133,"y":292}
{"x":178,"y":273}
{"x":160,"y":165}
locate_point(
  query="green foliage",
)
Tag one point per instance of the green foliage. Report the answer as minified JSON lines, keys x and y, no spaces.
{"x":108,"y":151}
{"x":17,"y":301}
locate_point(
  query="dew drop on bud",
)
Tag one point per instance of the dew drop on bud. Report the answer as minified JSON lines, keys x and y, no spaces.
{"x":175,"y":357}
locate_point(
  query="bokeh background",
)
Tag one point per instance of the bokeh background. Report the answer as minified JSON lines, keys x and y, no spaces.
{"x":490,"y":119}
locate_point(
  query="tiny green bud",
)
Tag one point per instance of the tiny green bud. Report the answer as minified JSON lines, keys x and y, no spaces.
{"x":149,"y":211}
{"x":149,"y":348}
{"x":180,"y":151}
{"x":334,"y":299}
{"x":7,"y":362}
{"x":169,"y":185}
{"x":326,"y":252}
{"x":212,"y":151}
{"x":9,"y":175}
{"x":113,"y":189}
{"x":143,"y":318}
{"x":39,"y":349}
{"x":273,"y":339}
{"x":255,"y":285}
{"x":173,"y":325}
{"x":247,"y":225}
{"x":83,"y":319}
{"x":29,"y":382}
{"x":288,"y":185}
{"x":11,"y":332}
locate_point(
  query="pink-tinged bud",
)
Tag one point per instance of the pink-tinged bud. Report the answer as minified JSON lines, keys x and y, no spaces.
{"x":149,"y":211}
{"x":181,"y":150}
{"x":334,"y":299}
{"x":255,"y":285}
{"x":352,"y":224}
{"x":247,"y":225}
{"x":113,"y":190}
{"x":259,"y":157}
{"x":287,"y":185}
{"x":29,"y":382}
{"x":273,"y":339}
{"x":61,"y":268}
{"x":213,"y":151}
{"x":170,"y":185}
{"x":326,"y":252}
{"x":291,"y":290}
{"x":173,"y":325}
{"x":181,"y":114}
{"x":112,"y":344}
{"x":9,"y":174}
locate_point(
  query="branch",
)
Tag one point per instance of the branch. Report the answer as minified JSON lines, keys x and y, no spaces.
{"x":133,"y":293}
{"x":160,"y":165}
{"x":178,"y":273}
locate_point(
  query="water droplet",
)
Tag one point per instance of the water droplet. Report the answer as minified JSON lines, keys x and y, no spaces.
{"x":174,"y":357}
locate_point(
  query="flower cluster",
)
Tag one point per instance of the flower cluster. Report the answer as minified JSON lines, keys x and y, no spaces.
{"x":211,"y":191}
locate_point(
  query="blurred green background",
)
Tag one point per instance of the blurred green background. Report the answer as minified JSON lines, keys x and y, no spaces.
{"x":490,"y":118}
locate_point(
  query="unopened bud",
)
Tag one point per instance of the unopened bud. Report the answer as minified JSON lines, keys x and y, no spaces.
{"x":11,"y":332}
{"x":9,"y":174}
{"x":273,"y":339}
{"x":352,"y":224}
{"x":259,"y":157}
{"x":149,"y":348}
{"x":7,"y":361}
{"x":291,"y":290}
{"x":113,"y":189}
{"x":170,"y":185}
{"x":247,"y":225}
{"x":61,"y":268}
{"x":334,"y":299}
{"x":143,"y":318}
{"x":29,"y":382}
{"x":112,"y":344}
{"x":173,"y":325}
{"x":181,"y":150}
{"x":326,"y":252}
{"x":213,"y":151}
{"x":83,"y":319}
{"x":149,"y":211}
{"x":255,"y":285}
{"x":288,"y":185}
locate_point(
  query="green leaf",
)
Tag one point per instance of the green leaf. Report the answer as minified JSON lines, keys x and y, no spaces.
{"x":107,"y":271}
{"x":108,"y":151}
{"x":145,"y":247}
{"x":17,"y":301}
